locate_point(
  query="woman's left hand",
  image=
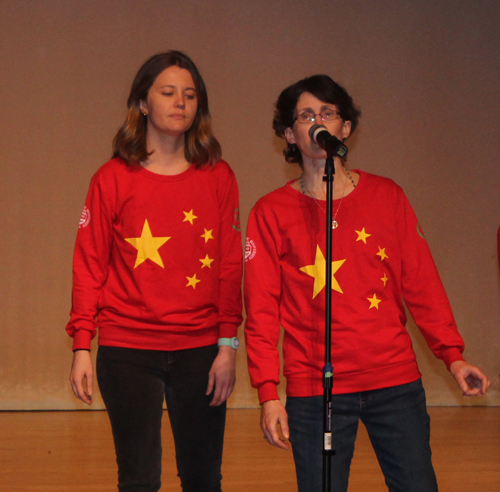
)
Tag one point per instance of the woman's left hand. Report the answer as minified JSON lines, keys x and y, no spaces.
{"x":222,"y":375}
{"x":469,"y":378}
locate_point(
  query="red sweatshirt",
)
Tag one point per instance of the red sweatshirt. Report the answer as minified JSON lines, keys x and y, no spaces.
{"x":157,"y":261}
{"x":380,"y":256}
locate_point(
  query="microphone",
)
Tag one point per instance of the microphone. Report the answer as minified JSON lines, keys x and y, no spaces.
{"x":333,"y":146}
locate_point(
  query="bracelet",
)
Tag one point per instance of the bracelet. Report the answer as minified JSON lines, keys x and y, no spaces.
{"x":234,"y":343}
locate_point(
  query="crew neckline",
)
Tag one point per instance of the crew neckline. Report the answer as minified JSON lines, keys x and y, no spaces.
{"x":166,"y":177}
{"x":360,"y":184}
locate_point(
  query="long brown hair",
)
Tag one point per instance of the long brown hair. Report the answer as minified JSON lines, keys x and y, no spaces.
{"x":201,"y":147}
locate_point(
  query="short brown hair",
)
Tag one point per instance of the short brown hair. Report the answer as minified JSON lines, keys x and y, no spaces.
{"x":325,"y":89}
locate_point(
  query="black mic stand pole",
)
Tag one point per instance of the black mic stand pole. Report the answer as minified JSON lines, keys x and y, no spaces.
{"x":328,"y":451}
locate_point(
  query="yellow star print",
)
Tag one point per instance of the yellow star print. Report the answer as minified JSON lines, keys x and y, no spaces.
{"x":206,"y":262}
{"x":384,"y":279}
{"x":318,"y":272}
{"x":192,"y":281}
{"x":362,"y":235}
{"x":381,"y":253}
{"x":207,"y":235}
{"x":374,"y":302}
{"x":147,"y":246}
{"x":189,"y":217}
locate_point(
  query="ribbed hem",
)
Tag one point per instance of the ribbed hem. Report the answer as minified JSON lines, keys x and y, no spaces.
{"x":157,"y":340}
{"x":354,"y":383}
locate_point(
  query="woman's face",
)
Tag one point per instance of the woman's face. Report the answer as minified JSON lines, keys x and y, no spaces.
{"x":299,"y":132}
{"x":171,"y":104}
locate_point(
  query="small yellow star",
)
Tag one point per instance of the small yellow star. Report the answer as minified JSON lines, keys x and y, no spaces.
{"x":206,"y":262}
{"x":384,"y":279}
{"x":374,"y":302}
{"x":147,"y":246}
{"x":189,"y":217}
{"x":362,"y":235}
{"x":381,"y":253}
{"x":192,"y":281}
{"x":207,"y":235}
{"x":318,"y":272}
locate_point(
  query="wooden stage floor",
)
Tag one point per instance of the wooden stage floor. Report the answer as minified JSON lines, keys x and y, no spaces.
{"x":73,"y":451}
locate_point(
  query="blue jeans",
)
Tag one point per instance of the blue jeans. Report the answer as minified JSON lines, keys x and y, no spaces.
{"x":398,"y":425}
{"x":133,"y":384}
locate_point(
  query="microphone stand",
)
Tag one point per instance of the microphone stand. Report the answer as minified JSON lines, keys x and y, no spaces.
{"x":328,"y":451}
{"x":320,"y":135}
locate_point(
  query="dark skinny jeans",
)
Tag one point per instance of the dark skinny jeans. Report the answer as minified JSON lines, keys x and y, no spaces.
{"x":133,"y":384}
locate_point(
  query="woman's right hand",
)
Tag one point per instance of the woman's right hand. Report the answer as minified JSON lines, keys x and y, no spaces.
{"x":272,"y":415}
{"x":82,"y":370}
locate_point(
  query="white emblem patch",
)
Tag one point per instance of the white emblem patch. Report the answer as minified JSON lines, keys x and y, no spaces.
{"x":250,"y":249}
{"x":85,"y":218}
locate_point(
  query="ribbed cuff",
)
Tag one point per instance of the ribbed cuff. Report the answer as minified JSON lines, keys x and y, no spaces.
{"x":228,"y":330}
{"x":452,"y":355}
{"x":268,"y":391}
{"x":81,"y":340}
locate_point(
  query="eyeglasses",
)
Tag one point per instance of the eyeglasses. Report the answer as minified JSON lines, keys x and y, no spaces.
{"x":310,"y":117}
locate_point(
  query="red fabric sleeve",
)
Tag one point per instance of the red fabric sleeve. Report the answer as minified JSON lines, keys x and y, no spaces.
{"x":262,"y":299}
{"x":231,"y":265}
{"x":90,"y":264}
{"x":423,"y":290}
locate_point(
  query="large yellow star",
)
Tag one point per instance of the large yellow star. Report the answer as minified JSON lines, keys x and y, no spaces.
{"x":362,"y":235}
{"x":189,"y":217}
{"x":192,"y":281}
{"x":147,"y":246}
{"x":206,"y":262}
{"x":318,"y":272}
{"x":381,"y":253}
{"x":374,"y":302}
{"x":207,"y":235}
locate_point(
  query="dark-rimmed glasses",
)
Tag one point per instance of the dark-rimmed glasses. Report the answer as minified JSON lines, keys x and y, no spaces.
{"x":310,"y":117}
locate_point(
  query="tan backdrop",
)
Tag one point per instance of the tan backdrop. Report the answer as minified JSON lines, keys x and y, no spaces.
{"x":425,"y":74}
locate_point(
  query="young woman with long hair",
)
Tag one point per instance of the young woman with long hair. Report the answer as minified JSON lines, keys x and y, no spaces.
{"x":157,"y":273}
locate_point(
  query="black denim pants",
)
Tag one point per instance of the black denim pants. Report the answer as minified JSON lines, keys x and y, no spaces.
{"x":133,"y":384}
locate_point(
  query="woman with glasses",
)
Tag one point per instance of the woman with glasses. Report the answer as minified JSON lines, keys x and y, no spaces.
{"x":380,"y":257}
{"x":157,"y":267}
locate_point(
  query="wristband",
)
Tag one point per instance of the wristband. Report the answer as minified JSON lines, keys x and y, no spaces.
{"x":234,"y":343}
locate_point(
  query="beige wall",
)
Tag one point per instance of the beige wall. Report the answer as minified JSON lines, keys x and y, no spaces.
{"x":425,"y":74}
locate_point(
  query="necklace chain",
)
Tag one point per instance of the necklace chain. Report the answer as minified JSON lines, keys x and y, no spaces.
{"x":305,"y":191}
